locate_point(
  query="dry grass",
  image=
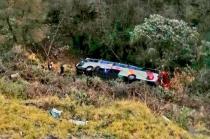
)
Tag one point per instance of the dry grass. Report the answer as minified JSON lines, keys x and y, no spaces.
{"x":19,"y":121}
{"x":119,"y":119}
{"x":181,"y":80}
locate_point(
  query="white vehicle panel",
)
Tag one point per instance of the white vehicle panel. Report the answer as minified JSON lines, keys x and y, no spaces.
{"x":142,"y":75}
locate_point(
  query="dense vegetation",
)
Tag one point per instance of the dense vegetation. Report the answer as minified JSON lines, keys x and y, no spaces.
{"x":171,"y":35}
{"x":104,"y":28}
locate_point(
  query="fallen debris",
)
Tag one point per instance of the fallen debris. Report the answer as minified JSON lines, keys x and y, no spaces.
{"x":78,"y":122}
{"x":55,"y":113}
{"x":15,"y":76}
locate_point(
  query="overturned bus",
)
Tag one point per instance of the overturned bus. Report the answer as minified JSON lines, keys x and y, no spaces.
{"x":112,"y":70}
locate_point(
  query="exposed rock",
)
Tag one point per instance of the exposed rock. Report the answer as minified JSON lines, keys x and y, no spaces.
{"x":17,"y":49}
{"x":15,"y":76}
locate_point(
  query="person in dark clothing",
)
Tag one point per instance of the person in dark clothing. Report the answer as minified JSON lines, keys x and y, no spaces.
{"x":2,"y":70}
{"x":62,"y":69}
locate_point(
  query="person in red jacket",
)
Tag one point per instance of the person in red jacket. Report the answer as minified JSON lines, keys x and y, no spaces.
{"x":164,"y":80}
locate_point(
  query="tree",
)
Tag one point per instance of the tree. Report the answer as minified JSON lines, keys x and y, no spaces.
{"x":24,"y":20}
{"x":165,"y":41}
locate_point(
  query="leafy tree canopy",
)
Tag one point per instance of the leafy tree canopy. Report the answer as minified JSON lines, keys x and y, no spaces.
{"x":166,"y":41}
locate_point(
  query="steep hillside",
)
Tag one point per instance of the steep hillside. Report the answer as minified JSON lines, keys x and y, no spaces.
{"x":113,"y":109}
{"x":42,"y":40}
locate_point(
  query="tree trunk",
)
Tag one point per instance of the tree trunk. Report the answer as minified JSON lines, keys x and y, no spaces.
{"x":11,"y":30}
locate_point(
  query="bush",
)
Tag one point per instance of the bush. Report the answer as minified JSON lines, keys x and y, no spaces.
{"x":205,"y":54}
{"x":201,"y":86}
{"x":14,"y":89}
{"x":183,"y":117}
{"x":82,"y":98}
{"x":120,"y":90}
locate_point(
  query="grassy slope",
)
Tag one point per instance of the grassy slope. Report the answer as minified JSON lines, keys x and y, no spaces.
{"x":121,"y":119}
{"x":115,"y":119}
{"x":19,"y":121}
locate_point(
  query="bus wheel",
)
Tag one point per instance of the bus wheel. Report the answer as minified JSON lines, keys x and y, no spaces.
{"x":131,"y":78}
{"x":89,"y":71}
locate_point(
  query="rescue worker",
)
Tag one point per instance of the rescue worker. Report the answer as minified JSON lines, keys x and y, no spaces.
{"x":50,"y":65}
{"x":62,"y":69}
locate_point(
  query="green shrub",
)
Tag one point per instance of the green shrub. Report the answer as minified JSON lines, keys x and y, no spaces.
{"x":163,"y":94}
{"x":81,"y":98}
{"x":183,"y":117}
{"x":205,"y":54}
{"x":14,"y":89}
